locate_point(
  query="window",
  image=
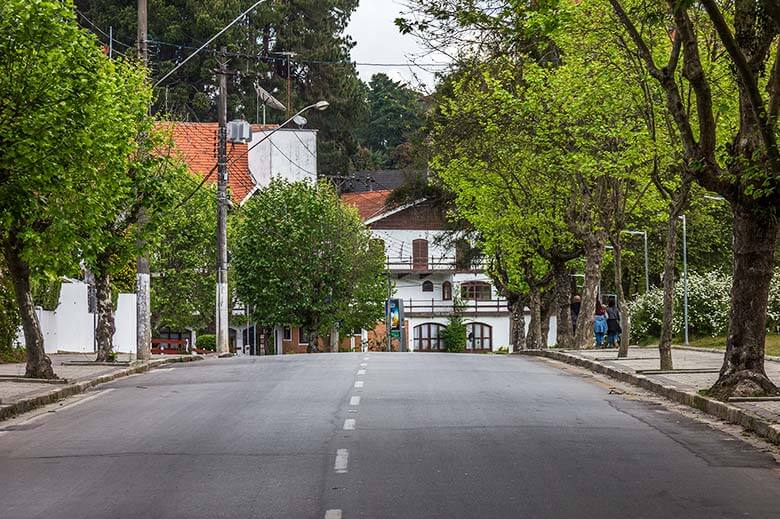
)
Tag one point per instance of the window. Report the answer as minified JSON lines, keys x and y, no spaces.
{"x":428,"y":336}
{"x":427,"y":286}
{"x":287,"y":333}
{"x":480,"y":336}
{"x":303,"y":338}
{"x":420,"y":254}
{"x":475,"y":291}
{"x":446,"y":291}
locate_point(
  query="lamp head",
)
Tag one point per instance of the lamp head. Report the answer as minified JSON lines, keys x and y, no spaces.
{"x":321,"y":105}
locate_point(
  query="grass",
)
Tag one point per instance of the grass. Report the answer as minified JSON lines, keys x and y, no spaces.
{"x":772,"y":343}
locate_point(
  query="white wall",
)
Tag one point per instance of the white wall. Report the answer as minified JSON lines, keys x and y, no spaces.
{"x":288,"y":153}
{"x":71,"y":327}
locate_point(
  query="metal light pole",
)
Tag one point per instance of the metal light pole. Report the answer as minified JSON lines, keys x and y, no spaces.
{"x":647,"y":260}
{"x":685,"y":274}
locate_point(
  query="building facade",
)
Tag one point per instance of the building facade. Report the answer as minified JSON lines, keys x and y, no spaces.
{"x":430,"y":272}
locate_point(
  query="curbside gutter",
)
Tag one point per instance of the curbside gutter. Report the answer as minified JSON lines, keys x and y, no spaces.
{"x":730,"y":413}
{"x":28,"y":404}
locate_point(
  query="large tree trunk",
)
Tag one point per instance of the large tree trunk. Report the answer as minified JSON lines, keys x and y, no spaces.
{"x":625,"y":325}
{"x":104,"y":333}
{"x":565,"y":337}
{"x":38,"y":363}
{"x":518,"y":324}
{"x":743,"y":372}
{"x":549,"y":309}
{"x":670,"y":260}
{"x":594,"y":254}
{"x":314,"y":338}
{"x":534,"y":339}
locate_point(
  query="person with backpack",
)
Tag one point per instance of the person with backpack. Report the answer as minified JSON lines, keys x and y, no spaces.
{"x":600,"y":325}
{"x":613,"y":323}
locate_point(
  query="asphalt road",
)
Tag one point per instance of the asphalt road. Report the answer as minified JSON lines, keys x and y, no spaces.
{"x":427,"y":435}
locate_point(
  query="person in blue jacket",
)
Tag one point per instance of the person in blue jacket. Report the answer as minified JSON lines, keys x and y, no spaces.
{"x":600,"y":325}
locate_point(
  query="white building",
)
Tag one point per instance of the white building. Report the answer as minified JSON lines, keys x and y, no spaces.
{"x":429,"y":272}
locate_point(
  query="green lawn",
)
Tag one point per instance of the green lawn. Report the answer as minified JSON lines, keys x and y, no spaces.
{"x":772,"y":343}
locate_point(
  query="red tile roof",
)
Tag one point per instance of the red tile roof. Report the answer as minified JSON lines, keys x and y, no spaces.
{"x":368,"y":204}
{"x":196,"y":145}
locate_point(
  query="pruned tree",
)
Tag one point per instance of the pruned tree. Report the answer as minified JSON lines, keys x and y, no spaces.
{"x":746,"y":172}
{"x":63,"y":138}
{"x":303,"y":258}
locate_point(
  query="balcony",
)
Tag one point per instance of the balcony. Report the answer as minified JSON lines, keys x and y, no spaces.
{"x":439,"y":308}
{"x":412,"y":264}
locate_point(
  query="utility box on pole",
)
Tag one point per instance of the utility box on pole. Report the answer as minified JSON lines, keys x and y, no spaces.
{"x":239,"y":132}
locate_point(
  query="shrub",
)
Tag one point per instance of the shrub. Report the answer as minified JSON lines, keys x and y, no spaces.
{"x":454,"y":335}
{"x":207,"y":342}
{"x":708,"y":307}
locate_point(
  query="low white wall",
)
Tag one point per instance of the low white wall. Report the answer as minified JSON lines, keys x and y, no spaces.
{"x":71,"y":327}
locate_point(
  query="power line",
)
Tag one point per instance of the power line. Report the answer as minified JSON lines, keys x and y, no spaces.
{"x":310,"y":173}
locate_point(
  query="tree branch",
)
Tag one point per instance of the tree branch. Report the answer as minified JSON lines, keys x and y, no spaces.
{"x":747,"y":80}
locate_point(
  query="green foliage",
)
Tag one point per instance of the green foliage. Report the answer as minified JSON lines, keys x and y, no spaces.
{"x":9,"y":316}
{"x":395,"y":115}
{"x":207,"y":342}
{"x":303,"y":258}
{"x":708,"y":307}
{"x":46,"y":293}
{"x":68,"y":126}
{"x":454,"y":335}
{"x":183,"y":263}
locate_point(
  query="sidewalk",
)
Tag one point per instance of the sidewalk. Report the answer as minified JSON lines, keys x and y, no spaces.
{"x":698,"y":370}
{"x":18,"y":395}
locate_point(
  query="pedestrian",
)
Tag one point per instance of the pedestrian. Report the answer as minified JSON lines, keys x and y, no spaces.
{"x":575,"y":312}
{"x":613,"y":323}
{"x":600,"y":325}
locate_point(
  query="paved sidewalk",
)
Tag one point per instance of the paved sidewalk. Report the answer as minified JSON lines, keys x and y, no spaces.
{"x":762,"y":417}
{"x":18,"y":396}
{"x":688,"y":359}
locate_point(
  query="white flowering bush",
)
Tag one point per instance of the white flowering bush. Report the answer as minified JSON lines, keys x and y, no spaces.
{"x":708,"y":307}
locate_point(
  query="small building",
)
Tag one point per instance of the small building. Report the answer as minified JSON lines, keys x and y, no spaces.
{"x":430,"y":271}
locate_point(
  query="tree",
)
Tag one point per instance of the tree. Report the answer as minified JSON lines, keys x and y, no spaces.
{"x":63,"y":133}
{"x":394,"y":115}
{"x":144,"y":183}
{"x":184,"y":261}
{"x":302,"y":258}
{"x":747,"y":173}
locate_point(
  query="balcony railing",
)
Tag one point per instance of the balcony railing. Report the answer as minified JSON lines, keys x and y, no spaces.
{"x":433,"y":263}
{"x":433,"y":306}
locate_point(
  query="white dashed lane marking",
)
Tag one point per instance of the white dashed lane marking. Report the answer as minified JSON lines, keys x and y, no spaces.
{"x":359,"y":383}
{"x":333,"y":514}
{"x":355,"y":400}
{"x":363,"y":364}
{"x":342,"y":460}
{"x":361,"y":372}
{"x":349,"y":424}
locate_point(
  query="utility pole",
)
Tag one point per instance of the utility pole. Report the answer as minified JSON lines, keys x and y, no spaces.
{"x":222,"y":207}
{"x":143,"y":277}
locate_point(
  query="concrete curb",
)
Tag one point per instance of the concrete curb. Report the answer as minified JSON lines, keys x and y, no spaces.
{"x":28,"y":404}
{"x":714,"y":350}
{"x":722,"y":410}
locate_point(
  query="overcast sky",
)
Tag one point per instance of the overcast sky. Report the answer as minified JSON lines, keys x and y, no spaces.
{"x":378,"y":41}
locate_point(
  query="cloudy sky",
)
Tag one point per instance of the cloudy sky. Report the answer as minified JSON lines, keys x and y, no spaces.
{"x":378,"y":41}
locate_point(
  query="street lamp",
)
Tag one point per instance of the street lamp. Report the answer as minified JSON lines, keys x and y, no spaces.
{"x":647,"y":261}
